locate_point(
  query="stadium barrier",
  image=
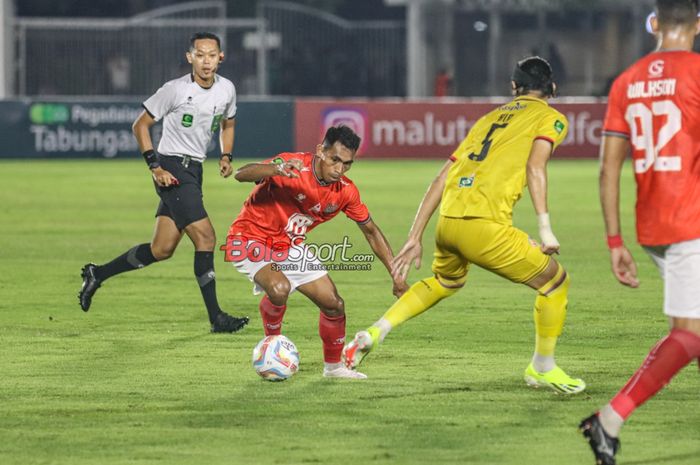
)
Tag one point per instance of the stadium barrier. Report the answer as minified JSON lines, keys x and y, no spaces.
{"x":432,"y":128}
{"x":389,"y":128}
{"x":87,"y":128}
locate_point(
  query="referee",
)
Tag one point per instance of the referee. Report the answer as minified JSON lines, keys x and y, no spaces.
{"x":192,"y":108}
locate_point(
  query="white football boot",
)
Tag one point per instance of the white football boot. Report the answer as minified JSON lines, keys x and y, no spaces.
{"x":340,"y":371}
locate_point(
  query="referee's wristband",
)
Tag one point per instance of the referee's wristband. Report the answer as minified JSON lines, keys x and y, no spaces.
{"x":151,"y":158}
{"x":615,"y":241}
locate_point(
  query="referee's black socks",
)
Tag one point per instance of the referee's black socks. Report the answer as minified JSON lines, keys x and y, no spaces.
{"x":206,"y":278}
{"x":137,"y":257}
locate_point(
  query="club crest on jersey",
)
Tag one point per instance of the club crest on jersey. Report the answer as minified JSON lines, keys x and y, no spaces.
{"x":187,"y":120}
{"x":466,"y":181}
{"x":656,"y":68}
{"x":330,"y":208}
{"x":559,"y":126}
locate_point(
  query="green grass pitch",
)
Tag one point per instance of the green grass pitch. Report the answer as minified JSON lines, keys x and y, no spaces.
{"x":139,"y":379}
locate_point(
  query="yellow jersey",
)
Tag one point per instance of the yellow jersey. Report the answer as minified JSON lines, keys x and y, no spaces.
{"x":489,"y":172}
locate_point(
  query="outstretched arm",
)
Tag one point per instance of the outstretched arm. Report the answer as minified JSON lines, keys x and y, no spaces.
{"x":381,"y":248}
{"x":613,"y":152}
{"x":256,"y":172}
{"x":537,"y":184}
{"x":412,"y":250}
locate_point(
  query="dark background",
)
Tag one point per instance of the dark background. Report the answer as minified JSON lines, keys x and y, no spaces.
{"x":349,"y":9}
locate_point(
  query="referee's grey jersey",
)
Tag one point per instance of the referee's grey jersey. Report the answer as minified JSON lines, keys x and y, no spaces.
{"x":191,"y":114}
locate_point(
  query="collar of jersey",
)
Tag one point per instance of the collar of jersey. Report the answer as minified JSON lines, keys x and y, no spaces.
{"x":205,"y":88}
{"x":533,"y":99}
{"x":313,"y":169}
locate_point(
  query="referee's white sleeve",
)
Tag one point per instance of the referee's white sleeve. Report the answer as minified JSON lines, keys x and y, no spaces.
{"x":159,"y":104}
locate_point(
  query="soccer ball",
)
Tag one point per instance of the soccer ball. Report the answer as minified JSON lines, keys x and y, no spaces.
{"x":275,"y":358}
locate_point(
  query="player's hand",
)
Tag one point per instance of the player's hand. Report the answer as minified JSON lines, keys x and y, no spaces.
{"x":623,"y":266}
{"x":289,"y":167}
{"x":225,"y":168}
{"x":410,"y":253}
{"x":550,"y":247}
{"x":400,"y":287}
{"x":163,"y":178}
{"x":549,"y":244}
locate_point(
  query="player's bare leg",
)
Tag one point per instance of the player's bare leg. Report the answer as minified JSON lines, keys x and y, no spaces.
{"x":331,"y":326}
{"x":166,"y":237}
{"x":552,"y":286}
{"x":202,"y":235}
{"x":274,"y":304}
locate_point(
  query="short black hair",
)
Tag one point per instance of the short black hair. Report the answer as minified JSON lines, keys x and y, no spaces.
{"x":533,"y":73}
{"x":677,"y":12}
{"x":204,"y":35}
{"x":342,"y":134}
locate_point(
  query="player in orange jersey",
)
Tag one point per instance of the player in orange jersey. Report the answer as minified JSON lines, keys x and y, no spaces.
{"x":296,"y":192}
{"x":654,"y":112}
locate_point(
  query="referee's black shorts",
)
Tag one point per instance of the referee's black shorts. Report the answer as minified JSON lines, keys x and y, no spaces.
{"x":183,"y":202}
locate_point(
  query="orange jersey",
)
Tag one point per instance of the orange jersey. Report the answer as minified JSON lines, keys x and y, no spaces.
{"x":655,"y":103}
{"x":282,"y":210}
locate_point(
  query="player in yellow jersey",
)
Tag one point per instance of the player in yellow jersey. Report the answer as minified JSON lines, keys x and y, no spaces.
{"x":477,"y":188}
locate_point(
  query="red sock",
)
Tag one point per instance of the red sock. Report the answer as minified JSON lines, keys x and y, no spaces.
{"x":667,"y":358}
{"x":332,"y":332}
{"x":271,"y":316}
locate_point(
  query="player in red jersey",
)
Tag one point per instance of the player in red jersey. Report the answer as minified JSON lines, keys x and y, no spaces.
{"x":296,"y":192}
{"x":654,"y":110}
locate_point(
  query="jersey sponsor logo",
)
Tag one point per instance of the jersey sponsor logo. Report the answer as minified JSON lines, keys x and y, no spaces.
{"x":559,"y":126}
{"x":216,"y":122}
{"x":187,"y":120}
{"x":644,"y":89}
{"x":466,"y":181}
{"x":513,"y":107}
{"x":656,"y":68}
{"x":297,"y":225}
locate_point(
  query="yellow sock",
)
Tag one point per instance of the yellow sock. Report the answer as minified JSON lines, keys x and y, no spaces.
{"x":419,"y":298}
{"x":550,"y":312}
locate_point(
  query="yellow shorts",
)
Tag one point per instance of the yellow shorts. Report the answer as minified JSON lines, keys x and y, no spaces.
{"x":500,"y":248}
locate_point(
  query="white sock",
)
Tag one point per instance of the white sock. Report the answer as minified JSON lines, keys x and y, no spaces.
{"x":331,"y":366}
{"x":543,"y":363}
{"x":384,"y":328}
{"x":611,"y":420}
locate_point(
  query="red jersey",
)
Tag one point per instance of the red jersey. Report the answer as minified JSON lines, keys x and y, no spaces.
{"x":655,"y":103}
{"x":283,"y":209}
